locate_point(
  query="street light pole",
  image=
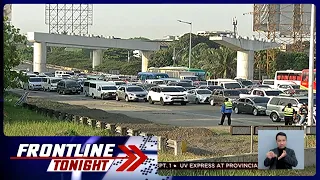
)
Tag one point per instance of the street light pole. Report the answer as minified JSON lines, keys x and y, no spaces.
{"x":190,"y":23}
{"x":311,"y":66}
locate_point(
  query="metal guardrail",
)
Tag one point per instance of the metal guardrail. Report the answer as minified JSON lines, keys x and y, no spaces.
{"x":246,"y":130}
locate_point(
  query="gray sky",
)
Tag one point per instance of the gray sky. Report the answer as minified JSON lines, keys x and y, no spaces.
{"x":151,"y":21}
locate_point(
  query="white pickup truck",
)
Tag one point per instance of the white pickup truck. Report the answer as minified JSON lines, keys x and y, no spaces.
{"x":262,"y":92}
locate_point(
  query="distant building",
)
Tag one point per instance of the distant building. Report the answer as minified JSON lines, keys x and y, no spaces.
{"x":214,"y":33}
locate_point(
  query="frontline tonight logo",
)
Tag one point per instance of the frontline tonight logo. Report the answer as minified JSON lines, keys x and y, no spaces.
{"x":75,"y":157}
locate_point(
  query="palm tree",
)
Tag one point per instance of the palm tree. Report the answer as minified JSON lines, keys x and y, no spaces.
{"x":221,"y":62}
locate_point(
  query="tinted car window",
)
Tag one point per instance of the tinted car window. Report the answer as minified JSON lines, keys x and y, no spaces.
{"x":109,"y":88}
{"x":170,"y":89}
{"x":274,"y":101}
{"x":135,"y":89}
{"x":273,"y":93}
{"x":231,"y":93}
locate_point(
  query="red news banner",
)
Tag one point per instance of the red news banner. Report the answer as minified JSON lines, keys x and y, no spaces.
{"x":207,"y":165}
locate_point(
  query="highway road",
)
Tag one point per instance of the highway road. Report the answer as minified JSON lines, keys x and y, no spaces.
{"x":191,"y":115}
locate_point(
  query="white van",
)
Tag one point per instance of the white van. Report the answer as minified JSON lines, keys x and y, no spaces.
{"x":86,"y":86}
{"x":51,"y":84}
{"x":104,"y":92}
{"x":269,"y":82}
{"x":217,"y":82}
{"x":95,"y":87}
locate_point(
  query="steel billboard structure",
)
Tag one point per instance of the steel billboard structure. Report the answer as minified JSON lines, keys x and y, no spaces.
{"x":72,"y":19}
{"x":285,"y":23}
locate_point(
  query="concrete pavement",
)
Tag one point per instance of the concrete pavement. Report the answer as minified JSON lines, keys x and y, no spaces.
{"x":191,"y":115}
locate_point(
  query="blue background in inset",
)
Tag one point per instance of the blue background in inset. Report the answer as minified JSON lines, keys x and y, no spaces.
{"x":267,"y":141}
{"x":29,"y":168}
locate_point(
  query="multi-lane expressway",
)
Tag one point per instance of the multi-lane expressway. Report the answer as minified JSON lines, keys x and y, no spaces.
{"x":191,"y":115}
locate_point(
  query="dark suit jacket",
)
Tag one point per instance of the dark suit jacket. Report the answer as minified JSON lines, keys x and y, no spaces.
{"x":290,"y":159}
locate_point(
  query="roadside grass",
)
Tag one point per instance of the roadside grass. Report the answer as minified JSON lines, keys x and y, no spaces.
{"x":19,"y":121}
{"x":307,"y":171}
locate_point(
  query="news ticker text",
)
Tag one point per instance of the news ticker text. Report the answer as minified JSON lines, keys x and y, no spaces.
{"x":207,"y":165}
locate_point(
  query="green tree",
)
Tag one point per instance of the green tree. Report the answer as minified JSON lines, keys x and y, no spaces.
{"x":12,"y":54}
{"x":221,"y":62}
{"x":292,"y":60}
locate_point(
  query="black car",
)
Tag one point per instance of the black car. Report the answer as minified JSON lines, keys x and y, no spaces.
{"x":68,"y":86}
{"x":251,"y":105}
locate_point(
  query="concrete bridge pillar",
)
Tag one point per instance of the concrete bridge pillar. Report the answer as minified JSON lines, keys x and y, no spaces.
{"x":145,"y":60}
{"x":39,"y":57}
{"x":245,"y":66}
{"x":96,"y":58}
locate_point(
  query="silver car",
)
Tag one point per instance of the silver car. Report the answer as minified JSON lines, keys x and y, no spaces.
{"x":277,"y":103}
{"x":131,"y":93}
{"x":199,"y":96}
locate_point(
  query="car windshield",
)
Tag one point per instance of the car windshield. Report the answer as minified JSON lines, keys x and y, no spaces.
{"x":35,"y":80}
{"x":135,"y":89}
{"x":204,"y":91}
{"x":247,"y":83}
{"x":273,"y":93}
{"x":268,"y":82}
{"x":109,"y":88}
{"x":214,"y":87}
{"x":120,"y":83}
{"x":263,"y":86}
{"x":72,"y":84}
{"x":181,"y":89}
{"x":232,"y":85}
{"x":231,"y":93}
{"x":159,"y":76}
{"x":295,"y":86}
{"x":170,"y":89}
{"x":244,"y":91}
{"x":158,"y":82}
{"x":184,"y":84}
{"x":260,"y":100}
{"x":55,"y":80}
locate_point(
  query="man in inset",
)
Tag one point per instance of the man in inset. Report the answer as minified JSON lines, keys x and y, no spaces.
{"x":289,"y":114}
{"x":226,"y":110}
{"x":281,"y":157}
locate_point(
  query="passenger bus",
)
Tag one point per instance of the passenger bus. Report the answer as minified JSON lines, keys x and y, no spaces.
{"x":305,"y":79}
{"x":287,"y":77}
{"x":150,"y":75}
{"x":201,"y":74}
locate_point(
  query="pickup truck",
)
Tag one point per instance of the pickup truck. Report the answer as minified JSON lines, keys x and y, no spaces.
{"x":262,"y":92}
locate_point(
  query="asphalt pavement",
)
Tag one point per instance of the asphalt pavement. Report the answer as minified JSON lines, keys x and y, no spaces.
{"x":191,"y":115}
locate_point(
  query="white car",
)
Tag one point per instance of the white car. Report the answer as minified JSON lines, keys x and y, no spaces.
{"x":283,"y":87}
{"x":199,"y":96}
{"x":106,"y":92}
{"x":166,"y":95}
